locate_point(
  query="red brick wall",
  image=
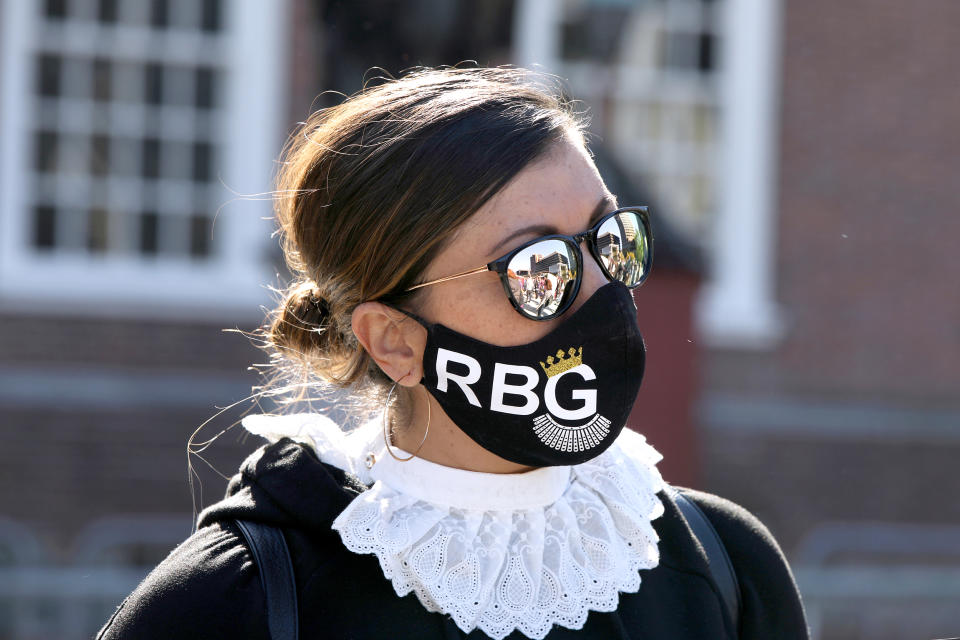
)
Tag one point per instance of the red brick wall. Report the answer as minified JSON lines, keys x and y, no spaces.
{"x":867,"y":265}
{"x":663,"y":410}
{"x":65,"y":464}
{"x":867,"y":269}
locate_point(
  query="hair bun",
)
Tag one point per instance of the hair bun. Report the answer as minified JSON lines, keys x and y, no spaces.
{"x":307,"y":308}
{"x":306,"y":326}
{"x":319,"y":303}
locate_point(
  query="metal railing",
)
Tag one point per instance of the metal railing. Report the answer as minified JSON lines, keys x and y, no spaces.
{"x":880,"y":581}
{"x":41,"y":599}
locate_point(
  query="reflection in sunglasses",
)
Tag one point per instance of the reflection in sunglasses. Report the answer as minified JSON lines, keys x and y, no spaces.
{"x":540,"y":295}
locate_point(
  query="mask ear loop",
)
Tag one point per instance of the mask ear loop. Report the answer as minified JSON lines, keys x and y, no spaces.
{"x":386,"y":434}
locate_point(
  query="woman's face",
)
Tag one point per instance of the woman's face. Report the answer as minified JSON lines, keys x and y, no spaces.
{"x":562,"y":192}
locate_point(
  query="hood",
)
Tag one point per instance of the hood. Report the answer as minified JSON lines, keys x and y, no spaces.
{"x":285,"y":484}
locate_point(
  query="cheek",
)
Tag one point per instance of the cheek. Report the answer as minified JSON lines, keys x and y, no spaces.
{"x":481,"y":310}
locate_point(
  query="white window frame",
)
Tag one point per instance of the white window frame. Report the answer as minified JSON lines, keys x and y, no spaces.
{"x":736,"y":307}
{"x":232,"y":279}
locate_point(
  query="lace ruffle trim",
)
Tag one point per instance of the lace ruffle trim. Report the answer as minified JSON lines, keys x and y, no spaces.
{"x":526,"y":569}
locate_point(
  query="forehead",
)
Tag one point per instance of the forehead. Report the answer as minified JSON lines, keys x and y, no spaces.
{"x":559,"y":190}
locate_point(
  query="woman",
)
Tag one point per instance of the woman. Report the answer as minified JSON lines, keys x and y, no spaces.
{"x":497,"y":495}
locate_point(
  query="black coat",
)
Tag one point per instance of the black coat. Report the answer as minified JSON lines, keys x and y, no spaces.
{"x":208,"y":587}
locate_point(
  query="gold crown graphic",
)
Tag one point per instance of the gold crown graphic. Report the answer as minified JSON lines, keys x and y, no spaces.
{"x":556,"y":365}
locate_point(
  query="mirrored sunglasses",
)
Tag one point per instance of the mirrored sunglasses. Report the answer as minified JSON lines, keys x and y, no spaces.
{"x":542,"y":277}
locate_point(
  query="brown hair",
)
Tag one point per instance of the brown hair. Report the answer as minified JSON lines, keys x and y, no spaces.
{"x":369,"y":191}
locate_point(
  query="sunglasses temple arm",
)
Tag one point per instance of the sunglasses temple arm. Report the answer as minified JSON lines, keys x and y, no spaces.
{"x":453,"y":277}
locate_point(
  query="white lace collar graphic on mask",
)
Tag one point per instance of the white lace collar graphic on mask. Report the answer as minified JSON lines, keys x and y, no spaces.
{"x":496,"y":552}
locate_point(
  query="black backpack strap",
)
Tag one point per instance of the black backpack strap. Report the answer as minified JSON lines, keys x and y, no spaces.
{"x":717,"y":557}
{"x":272,"y":557}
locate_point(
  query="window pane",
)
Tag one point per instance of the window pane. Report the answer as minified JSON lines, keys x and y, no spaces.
{"x":55,"y":9}
{"x":76,"y":77}
{"x":153,"y":84}
{"x":101,"y":80}
{"x":48,"y":75}
{"x":683,"y":51}
{"x":124,"y":157}
{"x":72,"y":154}
{"x":210,"y":16}
{"x":202,"y":161}
{"x":129,"y":82}
{"x":175,"y":235}
{"x":159,"y":14}
{"x":97,"y":223}
{"x":203,"y":88}
{"x":45,"y":151}
{"x":99,"y":155}
{"x":178,"y":85}
{"x":44,"y":227}
{"x":149,"y":232}
{"x":706,"y":51}
{"x":176,"y":160}
{"x":150,"y":158}
{"x":107,"y":11}
{"x":199,"y":235}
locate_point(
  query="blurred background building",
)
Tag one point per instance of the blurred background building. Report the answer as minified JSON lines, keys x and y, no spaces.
{"x":803,"y":320}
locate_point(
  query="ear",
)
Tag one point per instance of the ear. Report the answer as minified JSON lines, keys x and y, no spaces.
{"x":395,"y":342}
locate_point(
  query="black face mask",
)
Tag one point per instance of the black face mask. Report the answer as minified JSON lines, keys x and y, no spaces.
{"x":560,"y":400}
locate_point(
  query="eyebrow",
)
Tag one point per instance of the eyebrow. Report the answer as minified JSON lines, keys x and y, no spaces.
{"x":607,"y":204}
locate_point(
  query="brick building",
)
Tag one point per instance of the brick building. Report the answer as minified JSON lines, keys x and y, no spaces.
{"x":841,"y":432}
{"x":805,"y":148}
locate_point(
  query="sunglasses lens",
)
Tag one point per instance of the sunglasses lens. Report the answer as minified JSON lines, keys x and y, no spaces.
{"x":624,"y":245}
{"x":542,"y":278}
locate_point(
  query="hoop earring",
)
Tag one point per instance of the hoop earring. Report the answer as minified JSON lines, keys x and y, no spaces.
{"x":386,"y":435}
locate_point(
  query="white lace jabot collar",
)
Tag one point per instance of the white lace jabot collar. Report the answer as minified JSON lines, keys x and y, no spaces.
{"x":496,"y":552}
